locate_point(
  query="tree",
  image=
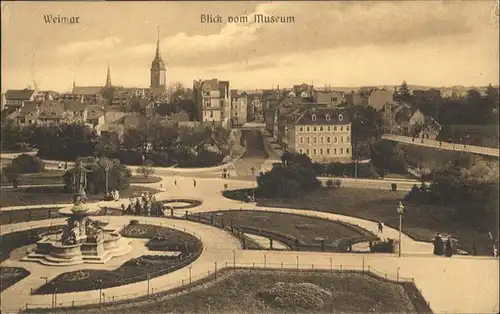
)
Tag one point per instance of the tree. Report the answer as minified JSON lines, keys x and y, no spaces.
{"x":403,"y":92}
{"x":118,"y":175}
{"x":146,"y":170}
{"x":176,"y":92}
{"x":12,"y":173}
{"x":25,"y":163}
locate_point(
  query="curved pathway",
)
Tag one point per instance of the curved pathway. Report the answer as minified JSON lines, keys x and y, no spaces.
{"x":451,"y":285}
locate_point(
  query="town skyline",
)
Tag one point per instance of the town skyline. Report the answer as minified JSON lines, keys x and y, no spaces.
{"x":439,"y":45}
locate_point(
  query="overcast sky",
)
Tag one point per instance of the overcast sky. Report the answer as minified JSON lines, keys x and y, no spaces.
{"x":335,"y":43}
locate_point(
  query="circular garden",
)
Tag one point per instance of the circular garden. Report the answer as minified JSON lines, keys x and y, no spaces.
{"x":179,"y":203}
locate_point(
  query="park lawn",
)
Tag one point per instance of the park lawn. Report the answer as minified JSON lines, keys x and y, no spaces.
{"x":420,"y":222}
{"x":243,"y":291}
{"x":304,"y":228}
{"x":41,"y":178}
{"x":50,"y":177}
{"x":57,"y":195}
{"x":11,"y":275}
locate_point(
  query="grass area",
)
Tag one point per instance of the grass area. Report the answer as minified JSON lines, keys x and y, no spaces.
{"x":163,"y":238}
{"x":11,"y":275}
{"x":15,"y":240}
{"x":134,"y":270}
{"x":137,"y":269}
{"x":421,"y":222}
{"x":303,"y":228}
{"x":57,"y":195}
{"x":49,"y":177}
{"x":260,"y":291}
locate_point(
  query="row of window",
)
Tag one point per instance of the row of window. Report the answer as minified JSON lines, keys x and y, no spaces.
{"x":322,"y":151}
{"x":322,"y":139}
{"x":324,"y":128}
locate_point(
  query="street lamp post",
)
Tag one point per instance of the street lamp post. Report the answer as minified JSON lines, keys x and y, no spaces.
{"x":106,"y":170}
{"x":400,"y":210}
{"x":99,"y":282}
{"x":253,"y":183}
{"x":190,"y":274}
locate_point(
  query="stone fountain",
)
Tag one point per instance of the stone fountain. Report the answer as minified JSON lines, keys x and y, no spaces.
{"x":82,"y":240}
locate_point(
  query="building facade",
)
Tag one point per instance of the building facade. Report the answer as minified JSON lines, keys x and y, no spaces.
{"x":331,"y":99}
{"x":212,"y":101}
{"x":239,"y":103}
{"x":323,"y":134}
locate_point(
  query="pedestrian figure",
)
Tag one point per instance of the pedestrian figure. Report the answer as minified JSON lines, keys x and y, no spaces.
{"x":474,"y":249}
{"x":66,"y":165}
{"x":440,"y":143}
{"x":175,"y":182}
{"x":59,"y":165}
{"x":448,"y":250}
{"x":194,"y":182}
{"x":380,"y":227}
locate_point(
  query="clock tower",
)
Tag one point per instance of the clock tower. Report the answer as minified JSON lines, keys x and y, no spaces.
{"x":158,"y":71}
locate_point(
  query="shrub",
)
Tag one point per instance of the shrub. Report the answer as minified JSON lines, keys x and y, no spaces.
{"x":134,"y":222}
{"x":11,"y":172}
{"x":28,"y":164}
{"x":146,"y":170}
{"x":337,"y":183}
{"x":329,"y":183}
{"x":386,"y":246}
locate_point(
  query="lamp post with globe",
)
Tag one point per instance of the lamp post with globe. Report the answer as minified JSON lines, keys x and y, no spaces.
{"x":400,"y":209}
{"x":253,"y":183}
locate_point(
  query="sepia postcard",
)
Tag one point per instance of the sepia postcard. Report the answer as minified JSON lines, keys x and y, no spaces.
{"x":249,"y":157}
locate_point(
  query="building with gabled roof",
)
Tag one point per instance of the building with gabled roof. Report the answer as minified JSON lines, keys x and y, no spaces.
{"x":15,"y":98}
{"x":212,"y":101}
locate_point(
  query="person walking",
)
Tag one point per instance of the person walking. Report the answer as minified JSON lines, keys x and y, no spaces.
{"x":175,"y":181}
{"x":380,"y":227}
{"x":194,"y":182}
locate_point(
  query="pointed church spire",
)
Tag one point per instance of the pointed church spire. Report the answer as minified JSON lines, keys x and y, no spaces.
{"x":158,"y":45}
{"x":108,"y":78}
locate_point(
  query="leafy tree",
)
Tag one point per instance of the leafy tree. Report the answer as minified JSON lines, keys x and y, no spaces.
{"x":108,"y":146}
{"x":146,"y":170}
{"x":176,"y":92}
{"x":28,"y":164}
{"x":403,"y":92}
{"x":388,"y":157}
{"x":118,"y":175}
{"x":12,"y":173}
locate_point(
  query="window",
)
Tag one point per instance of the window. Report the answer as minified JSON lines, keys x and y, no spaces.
{"x":329,"y":129}
{"x":315,"y":140}
{"x":341,"y":117}
{"x":347,"y":128}
{"x":308,"y":140}
{"x":321,"y":140}
{"x":347,"y":150}
{"x":321,"y":128}
{"x":335,"y":128}
{"x":300,"y":151}
{"x":301,"y":129}
{"x":314,"y":152}
{"x":328,"y":140}
{"x":341,"y":128}
{"x":341,"y":139}
{"x":328,"y":151}
{"x":321,"y":151}
{"x":335,"y":139}
{"x":341,"y":151}
{"x":327,"y":117}
{"x":308,"y":129}
{"x":314,"y":129}
{"x":301,"y":139}
{"x":307,"y":151}
{"x":335,"y":151}
{"x":211,"y":114}
{"x":313,"y":117}
{"x":347,"y":139}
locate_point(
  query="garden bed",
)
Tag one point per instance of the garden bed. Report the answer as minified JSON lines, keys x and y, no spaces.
{"x":11,"y":275}
{"x":134,"y":270}
{"x":47,"y":177}
{"x":138,"y":179}
{"x":255,"y":291}
{"x":283,"y":226}
{"x":188,"y":203}
{"x":421,"y":222}
{"x":15,"y":240}
{"x":57,"y":195}
{"x":170,"y":240}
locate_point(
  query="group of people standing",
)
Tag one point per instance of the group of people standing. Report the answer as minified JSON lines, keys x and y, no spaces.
{"x":141,"y":206}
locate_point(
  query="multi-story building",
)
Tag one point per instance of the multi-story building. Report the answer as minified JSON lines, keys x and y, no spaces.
{"x":239,"y":103}
{"x":212,"y":102}
{"x":15,"y":98}
{"x":323,"y":134}
{"x":331,"y":99}
{"x":254,"y":108}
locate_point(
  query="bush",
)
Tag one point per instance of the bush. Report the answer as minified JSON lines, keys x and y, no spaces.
{"x":329,"y":183}
{"x":25,"y":163}
{"x":134,"y":222}
{"x":146,"y":170}
{"x":12,"y":173}
{"x":386,"y":246}
{"x":337,"y":183}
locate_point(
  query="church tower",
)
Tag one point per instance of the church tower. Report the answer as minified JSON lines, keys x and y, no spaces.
{"x":158,"y":71}
{"x":108,"y":79}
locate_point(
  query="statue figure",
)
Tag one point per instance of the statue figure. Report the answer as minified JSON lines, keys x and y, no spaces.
{"x":79,"y":183}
